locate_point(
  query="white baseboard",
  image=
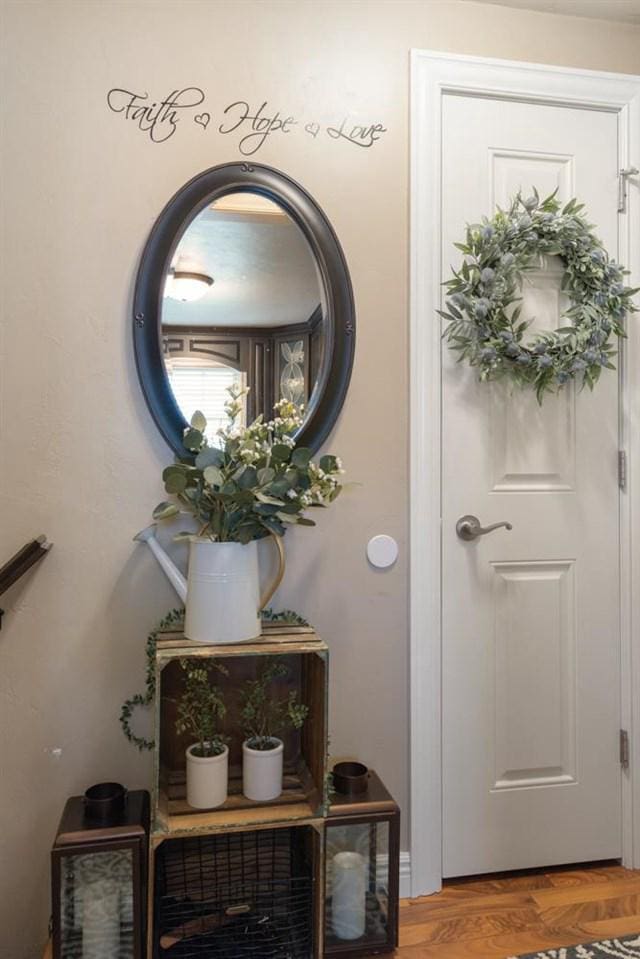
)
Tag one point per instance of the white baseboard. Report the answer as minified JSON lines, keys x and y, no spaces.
{"x":405,"y":875}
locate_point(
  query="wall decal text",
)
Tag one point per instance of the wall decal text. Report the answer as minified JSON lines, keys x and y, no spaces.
{"x":159,"y":118}
{"x":252,"y":124}
{"x":259,"y":122}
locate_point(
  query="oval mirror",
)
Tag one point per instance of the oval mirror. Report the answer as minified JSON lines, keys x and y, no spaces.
{"x":243,"y":283}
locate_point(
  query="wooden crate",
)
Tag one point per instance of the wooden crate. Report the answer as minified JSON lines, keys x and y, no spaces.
{"x":304,"y":796}
{"x":316,"y":831}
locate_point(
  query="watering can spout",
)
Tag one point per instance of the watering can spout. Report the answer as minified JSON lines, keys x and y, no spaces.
{"x":170,"y":569}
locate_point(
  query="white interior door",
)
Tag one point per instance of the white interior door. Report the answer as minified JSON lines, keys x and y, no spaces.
{"x":530,"y":618}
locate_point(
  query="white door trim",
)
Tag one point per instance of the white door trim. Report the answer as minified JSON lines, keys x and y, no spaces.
{"x":432,"y":76}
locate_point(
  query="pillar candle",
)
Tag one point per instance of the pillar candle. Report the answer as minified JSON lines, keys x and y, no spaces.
{"x":348,"y":895}
{"x":101,"y":919}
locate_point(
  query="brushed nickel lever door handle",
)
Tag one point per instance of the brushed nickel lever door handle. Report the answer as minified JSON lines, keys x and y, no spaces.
{"x":469,"y":528}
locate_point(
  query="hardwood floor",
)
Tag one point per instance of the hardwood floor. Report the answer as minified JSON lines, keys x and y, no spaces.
{"x":493,"y":917}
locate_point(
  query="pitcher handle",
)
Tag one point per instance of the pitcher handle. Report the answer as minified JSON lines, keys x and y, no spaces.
{"x":270,"y":590}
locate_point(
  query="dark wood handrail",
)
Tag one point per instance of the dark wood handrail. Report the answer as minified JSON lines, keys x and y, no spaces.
{"x":23,"y":560}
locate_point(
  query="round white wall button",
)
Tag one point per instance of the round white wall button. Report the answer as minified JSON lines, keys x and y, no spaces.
{"x":382,"y":551}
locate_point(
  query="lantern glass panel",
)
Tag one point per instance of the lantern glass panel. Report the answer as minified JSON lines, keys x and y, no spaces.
{"x":357,"y":908}
{"x":96,"y":905}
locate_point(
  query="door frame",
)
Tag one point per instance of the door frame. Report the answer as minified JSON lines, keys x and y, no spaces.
{"x":434,"y":75}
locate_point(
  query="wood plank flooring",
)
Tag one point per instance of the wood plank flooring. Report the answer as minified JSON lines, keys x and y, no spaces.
{"x":496,"y":917}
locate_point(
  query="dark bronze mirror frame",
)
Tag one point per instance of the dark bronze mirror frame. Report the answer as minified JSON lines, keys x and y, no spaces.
{"x":190,"y":200}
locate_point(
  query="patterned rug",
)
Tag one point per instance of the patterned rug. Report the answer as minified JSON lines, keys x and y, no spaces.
{"x":607,"y":949}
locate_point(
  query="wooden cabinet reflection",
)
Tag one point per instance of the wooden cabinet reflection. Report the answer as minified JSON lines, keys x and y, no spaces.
{"x":279,"y":362}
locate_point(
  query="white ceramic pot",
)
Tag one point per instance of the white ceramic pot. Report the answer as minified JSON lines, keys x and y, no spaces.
{"x":262,"y":771}
{"x":207,"y":779}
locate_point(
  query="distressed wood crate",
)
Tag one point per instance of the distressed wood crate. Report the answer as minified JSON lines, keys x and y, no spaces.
{"x":304,"y":795}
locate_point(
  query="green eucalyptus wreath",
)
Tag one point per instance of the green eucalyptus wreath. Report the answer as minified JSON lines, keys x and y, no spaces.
{"x":484,"y":296}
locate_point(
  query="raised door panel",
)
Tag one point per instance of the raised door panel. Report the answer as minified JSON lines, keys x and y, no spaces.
{"x":535,"y":675}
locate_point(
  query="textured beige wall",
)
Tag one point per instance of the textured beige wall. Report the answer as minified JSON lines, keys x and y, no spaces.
{"x":80,"y":458}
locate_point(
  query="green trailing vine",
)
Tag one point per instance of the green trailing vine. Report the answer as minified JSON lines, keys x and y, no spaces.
{"x":173,"y":620}
{"x":483,"y":299}
{"x":286,"y":616}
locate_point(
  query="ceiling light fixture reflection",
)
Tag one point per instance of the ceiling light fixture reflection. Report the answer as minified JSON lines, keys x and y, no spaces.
{"x":187,"y":286}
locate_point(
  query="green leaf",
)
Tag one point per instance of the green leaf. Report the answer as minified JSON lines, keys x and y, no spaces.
{"x":248,"y":479}
{"x":213,"y":476}
{"x":274,"y":524}
{"x":175,"y":470}
{"x":198,"y":421}
{"x":248,"y":533}
{"x":263,"y":498}
{"x":193,"y":440}
{"x":267,"y":509}
{"x":210,"y":456}
{"x":328,"y":463}
{"x":301,"y":457}
{"x":304,"y":521}
{"x":266,"y":475}
{"x":280,"y":452}
{"x":286,"y":517}
{"x":184,"y":536}
{"x":244,"y":498}
{"x":165,"y":510}
{"x":278,"y":488}
{"x":175,"y":483}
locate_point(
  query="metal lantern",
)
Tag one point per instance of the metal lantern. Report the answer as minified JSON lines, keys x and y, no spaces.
{"x":362,"y":861}
{"x":98,"y":875}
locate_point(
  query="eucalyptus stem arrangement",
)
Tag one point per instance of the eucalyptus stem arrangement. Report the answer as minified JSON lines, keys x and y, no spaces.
{"x":257,"y":482}
{"x":264,"y":716}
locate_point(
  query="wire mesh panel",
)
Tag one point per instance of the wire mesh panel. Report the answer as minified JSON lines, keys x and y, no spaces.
{"x":235,"y":895}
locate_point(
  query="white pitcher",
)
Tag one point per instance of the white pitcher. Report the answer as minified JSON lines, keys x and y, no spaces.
{"x":222,"y":592}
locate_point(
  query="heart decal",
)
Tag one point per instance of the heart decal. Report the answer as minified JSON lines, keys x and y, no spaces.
{"x":203,"y":119}
{"x":312,"y":128}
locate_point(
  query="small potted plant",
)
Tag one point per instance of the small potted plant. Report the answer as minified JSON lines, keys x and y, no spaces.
{"x":201,"y":710}
{"x":263,"y":716}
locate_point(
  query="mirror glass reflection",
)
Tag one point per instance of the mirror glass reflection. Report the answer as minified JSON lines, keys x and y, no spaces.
{"x":243,"y":305}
